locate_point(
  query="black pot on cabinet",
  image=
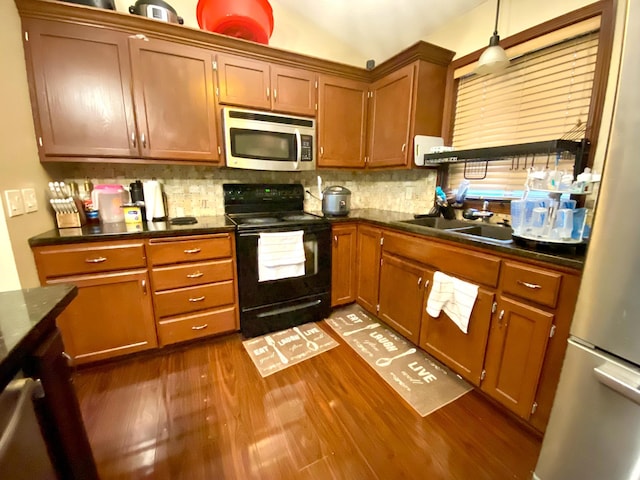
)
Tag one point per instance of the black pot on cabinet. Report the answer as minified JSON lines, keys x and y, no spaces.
{"x":156,"y":9}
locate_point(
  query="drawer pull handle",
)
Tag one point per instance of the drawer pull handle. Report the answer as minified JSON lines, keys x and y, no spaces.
{"x":532,"y":286}
{"x":192,"y":250}
{"x":96,"y":260}
{"x":197,"y":299}
{"x":419,"y":281}
{"x":195,"y":275}
{"x":200,"y":327}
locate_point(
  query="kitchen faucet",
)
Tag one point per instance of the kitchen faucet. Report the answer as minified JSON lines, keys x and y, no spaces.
{"x":485,"y":214}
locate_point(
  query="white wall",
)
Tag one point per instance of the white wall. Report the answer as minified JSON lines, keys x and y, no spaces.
{"x":9,"y":279}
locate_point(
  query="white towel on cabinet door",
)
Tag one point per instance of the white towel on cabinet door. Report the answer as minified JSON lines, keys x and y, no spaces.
{"x":456,"y":297}
{"x":280,"y":255}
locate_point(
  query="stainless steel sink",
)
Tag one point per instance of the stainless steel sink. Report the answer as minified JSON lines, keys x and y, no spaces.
{"x":480,"y":231}
{"x":437,"y":222}
{"x":495,"y":233}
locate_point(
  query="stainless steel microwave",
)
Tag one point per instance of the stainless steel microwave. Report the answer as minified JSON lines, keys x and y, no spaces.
{"x":259,"y":140}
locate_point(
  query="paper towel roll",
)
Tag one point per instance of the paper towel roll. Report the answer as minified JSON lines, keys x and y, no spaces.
{"x":153,"y":200}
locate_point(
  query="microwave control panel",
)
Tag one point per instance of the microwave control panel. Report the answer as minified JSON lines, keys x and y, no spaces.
{"x":306,"y":155}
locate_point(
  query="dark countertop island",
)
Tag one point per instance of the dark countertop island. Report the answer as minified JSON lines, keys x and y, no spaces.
{"x":27,"y":317}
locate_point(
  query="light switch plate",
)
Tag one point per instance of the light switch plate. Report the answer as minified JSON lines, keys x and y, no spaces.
{"x":29,"y":199}
{"x":15,"y":205}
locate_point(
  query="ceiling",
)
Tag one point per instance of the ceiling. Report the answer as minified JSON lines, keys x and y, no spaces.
{"x":381,"y":26}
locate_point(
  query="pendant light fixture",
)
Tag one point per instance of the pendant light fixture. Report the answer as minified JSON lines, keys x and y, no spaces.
{"x":494,"y":58}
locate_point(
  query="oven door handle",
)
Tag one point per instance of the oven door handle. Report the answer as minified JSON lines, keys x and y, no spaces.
{"x":298,"y":148}
{"x":293,"y":308}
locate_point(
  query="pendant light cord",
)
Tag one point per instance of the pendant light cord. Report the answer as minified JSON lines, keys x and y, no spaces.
{"x":495,"y":30}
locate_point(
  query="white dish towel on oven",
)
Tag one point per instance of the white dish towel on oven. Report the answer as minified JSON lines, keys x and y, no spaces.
{"x":280,"y":255}
{"x":456,"y":297}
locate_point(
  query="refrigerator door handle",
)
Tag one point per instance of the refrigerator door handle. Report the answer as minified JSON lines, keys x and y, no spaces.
{"x":621,"y":380}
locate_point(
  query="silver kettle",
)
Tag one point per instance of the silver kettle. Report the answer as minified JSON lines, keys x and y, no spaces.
{"x":336,"y":201}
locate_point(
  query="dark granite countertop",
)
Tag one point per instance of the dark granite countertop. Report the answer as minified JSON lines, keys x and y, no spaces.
{"x":123,"y":231}
{"x":26,"y":318}
{"x":393,"y":220}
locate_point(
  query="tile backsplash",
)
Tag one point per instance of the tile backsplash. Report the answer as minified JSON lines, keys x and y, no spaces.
{"x":197,"y":190}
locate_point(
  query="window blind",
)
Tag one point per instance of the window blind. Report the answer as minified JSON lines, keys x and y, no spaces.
{"x":542,"y":95}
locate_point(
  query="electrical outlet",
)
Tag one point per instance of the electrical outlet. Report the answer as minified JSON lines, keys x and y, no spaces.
{"x":15,"y":205}
{"x":29,"y":199}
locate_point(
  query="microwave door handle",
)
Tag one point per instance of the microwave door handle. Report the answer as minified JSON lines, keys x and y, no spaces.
{"x":299,"y":148}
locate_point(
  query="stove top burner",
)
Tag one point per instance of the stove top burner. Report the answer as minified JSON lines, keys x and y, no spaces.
{"x":273,"y":219}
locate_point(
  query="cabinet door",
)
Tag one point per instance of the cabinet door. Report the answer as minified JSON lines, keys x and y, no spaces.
{"x":368,"y":267}
{"x":174,"y":100}
{"x":82,"y":95}
{"x":343,"y":264}
{"x":293,"y":90}
{"x":342,"y":113}
{"x":463,"y":352}
{"x":243,"y":82}
{"x":515,"y":353}
{"x":111,"y":316}
{"x":401,"y":295}
{"x":391,"y":114}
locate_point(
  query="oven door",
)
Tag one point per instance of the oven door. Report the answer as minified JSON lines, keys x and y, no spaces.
{"x":263,"y":141}
{"x":316,"y":279}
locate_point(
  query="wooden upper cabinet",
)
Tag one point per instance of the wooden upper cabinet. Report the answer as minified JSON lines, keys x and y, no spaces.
{"x":81,"y":89}
{"x":102,"y":93}
{"x":255,"y":84}
{"x":174,"y":94}
{"x":391,"y":113}
{"x":293,"y":90}
{"x":342,"y":128}
{"x":244,"y":82}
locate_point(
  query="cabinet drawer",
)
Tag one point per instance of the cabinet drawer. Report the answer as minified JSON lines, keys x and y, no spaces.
{"x":531,"y":283}
{"x":67,"y":260}
{"x":190,"y":274}
{"x":202,"y":324}
{"x":191,"y":299}
{"x":469,"y":264}
{"x":162,"y":252}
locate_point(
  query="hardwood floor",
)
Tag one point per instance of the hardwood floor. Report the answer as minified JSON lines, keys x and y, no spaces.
{"x":204,"y":412}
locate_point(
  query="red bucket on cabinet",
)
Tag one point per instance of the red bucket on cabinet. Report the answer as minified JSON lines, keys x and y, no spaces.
{"x":247,"y":19}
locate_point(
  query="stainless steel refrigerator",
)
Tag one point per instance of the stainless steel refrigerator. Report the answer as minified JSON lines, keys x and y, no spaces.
{"x":594,"y":429}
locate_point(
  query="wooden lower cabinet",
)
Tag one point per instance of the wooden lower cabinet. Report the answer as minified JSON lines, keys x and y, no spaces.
{"x":111,"y":316}
{"x":462,"y":352}
{"x":194,"y":286}
{"x":343,"y":264}
{"x":515,"y":354}
{"x":402,"y":295}
{"x":113,"y":312}
{"x":518,"y":328}
{"x":368,"y":267}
